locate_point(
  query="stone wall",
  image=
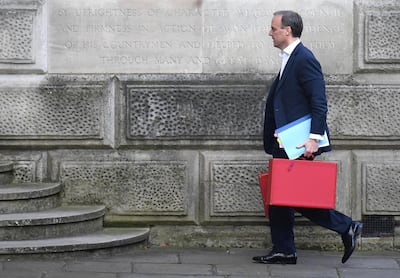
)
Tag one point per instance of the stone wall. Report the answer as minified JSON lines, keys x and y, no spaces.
{"x":155,"y":109}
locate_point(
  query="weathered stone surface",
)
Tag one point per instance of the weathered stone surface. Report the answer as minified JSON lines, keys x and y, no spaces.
{"x":246,"y":235}
{"x":52,"y":112}
{"x":131,"y":184}
{"x":16,"y":49}
{"x":396,"y":238}
{"x":195,"y":112}
{"x":230,"y":185}
{"x":377,"y":181}
{"x":147,"y":187}
{"x":377,"y":37}
{"x":6,"y":172}
{"x":229,"y":112}
{"x":344,"y":190}
{"x":29,"y":197}
{"x":176,"y":135}
{"x":188,"y":36}
{"x":382,"y":37}
{"x":381,"y":186}
{"x":377,"y":243}
{"x":28,"y":166}
{"x":364,"y":111}
{"x":235,"y":188}
{"x":211,"y":236}
{"x":23,"y":36}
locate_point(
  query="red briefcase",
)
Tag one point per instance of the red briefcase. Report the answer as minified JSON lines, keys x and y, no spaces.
{"x":299,"y":183}
{"x":263,"y":180}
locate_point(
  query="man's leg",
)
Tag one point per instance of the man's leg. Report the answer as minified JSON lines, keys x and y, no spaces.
{"x":338,"y":222}
{"x":281,"y":225}
{"x":281,"y":221}
{"x":283,"y":246}
{"x":327,"y":218}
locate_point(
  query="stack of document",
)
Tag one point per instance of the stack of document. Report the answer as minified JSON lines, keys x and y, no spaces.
{"x":295,"y":133}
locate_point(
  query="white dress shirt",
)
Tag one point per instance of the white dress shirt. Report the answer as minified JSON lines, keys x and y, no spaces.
{"x":285,"y":54}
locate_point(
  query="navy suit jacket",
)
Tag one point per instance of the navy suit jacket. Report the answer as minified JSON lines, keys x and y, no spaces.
{"x":300,"y":91}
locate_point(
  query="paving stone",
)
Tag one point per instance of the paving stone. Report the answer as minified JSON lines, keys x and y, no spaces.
{"x":369,"y":273}
{"x":22,"y":274}
{"x":99,"y":266}
{"x":303,"y":271}
{"x":78,"y":275}
{"x":201,"y":263}
{"x":256,"y":270}
{"x":33,"y":266}
{"x":169,"y":276}
{"x":364,"y":262}
{"x":180,"y":269}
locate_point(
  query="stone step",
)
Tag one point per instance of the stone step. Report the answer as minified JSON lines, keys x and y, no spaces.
{"x":6,"y":172}
{"x":57,"y":222}
{"x":29,"y":197}
{"x":105,"y":238}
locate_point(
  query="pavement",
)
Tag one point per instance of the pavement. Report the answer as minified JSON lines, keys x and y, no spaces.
{"x":166,"y":262}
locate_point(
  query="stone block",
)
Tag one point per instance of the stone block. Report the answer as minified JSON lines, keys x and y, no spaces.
{"x":377,"y":181}
{"x":29,"y":166}
{"x":315,"y":237}
{"x":6,"y":172}
{"x":363,"y":112}
{"x":376,"y":243}
{"x":377,"y":35}
{"x":49,"y":113}
{"x":231,"y":189}
{"x":382,"y":37}
{"x":344,"y":200}
{"x":396,"y":239}
{"x":221,"y":236}
{"x":134,"y":186}
{"x":230,"y":185}
{"x":194,"y":112}
{"x":23,"y":36}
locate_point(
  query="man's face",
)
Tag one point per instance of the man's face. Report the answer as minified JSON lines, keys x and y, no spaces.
{"x":279,"y":34}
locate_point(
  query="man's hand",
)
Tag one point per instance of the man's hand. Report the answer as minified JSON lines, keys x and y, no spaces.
{"x":311,"y":146}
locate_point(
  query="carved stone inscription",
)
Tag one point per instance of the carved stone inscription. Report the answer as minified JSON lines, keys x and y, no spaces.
{"x":188,"y":36}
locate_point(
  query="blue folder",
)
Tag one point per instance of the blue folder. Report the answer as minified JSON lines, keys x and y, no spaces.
{"x":296,"y":133}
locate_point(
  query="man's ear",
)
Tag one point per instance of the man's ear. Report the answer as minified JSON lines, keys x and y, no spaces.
{"x":288,"y":30}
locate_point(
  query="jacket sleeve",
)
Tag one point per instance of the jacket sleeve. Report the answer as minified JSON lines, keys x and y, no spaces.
{"x":313,"y":84}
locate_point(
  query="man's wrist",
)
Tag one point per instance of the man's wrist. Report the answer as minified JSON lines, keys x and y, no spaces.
{"x":316,"y":137}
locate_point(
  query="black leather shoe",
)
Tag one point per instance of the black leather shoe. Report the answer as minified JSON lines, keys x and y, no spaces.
{"x":276,"y":258}
{"x":350,"y":239}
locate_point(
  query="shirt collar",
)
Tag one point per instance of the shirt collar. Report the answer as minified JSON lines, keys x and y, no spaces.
{"x":290,"y":48}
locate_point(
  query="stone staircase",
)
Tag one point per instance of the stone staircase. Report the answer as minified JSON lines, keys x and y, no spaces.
{"x":32,"y":220}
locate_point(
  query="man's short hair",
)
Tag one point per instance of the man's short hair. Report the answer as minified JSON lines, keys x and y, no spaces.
{"x":292,"y":19}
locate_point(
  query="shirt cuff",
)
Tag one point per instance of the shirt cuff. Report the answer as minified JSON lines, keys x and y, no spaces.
{"x":315,"y":136}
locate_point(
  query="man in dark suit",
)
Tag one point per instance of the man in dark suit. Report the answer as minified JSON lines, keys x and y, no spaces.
{"x":299,"y":89}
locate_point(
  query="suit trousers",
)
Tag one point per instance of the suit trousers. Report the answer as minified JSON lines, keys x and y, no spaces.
{"x":282,"y":220}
